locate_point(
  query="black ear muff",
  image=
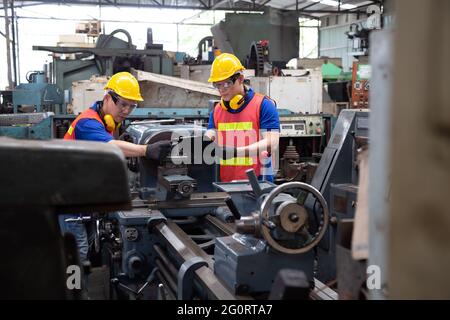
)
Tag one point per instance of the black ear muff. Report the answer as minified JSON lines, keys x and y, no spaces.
{"x":110,"y":124}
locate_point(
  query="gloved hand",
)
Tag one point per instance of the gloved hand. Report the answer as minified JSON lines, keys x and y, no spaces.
{"x":158,"y":150}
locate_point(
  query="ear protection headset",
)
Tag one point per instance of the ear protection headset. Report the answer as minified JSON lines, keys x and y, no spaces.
{"x":235,"y":103}
{"x":108,"y":120}
{"x":110,"y":124}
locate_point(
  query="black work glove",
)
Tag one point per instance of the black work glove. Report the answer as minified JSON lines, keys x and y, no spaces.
{"x":158,"y":150}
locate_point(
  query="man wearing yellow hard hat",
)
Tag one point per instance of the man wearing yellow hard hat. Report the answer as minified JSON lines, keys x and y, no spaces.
{"x":102,"y":119}
{"x":243,"y":120}
{"x":98,"y":123}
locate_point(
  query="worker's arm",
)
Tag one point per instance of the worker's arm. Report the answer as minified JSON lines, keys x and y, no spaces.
{"x":130,"y":149}
{"x":268,"y":143}
{"x":155,"y":151}
{"x":270,"y":131}
{"x":90,"y":129}
{"x":211,"y":131}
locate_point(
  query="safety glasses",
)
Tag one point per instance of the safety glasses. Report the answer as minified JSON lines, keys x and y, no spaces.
{"x":227,"y":83}
{"x":121,"y":103}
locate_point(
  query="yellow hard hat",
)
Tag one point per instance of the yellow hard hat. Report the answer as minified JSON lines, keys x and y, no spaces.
{"x":125,"y":85}
{"x":224,"y":66}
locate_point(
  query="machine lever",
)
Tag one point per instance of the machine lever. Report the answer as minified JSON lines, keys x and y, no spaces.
{"x":254,"y":182}
{"x":234,"y":210}
{"x":136,"y":294}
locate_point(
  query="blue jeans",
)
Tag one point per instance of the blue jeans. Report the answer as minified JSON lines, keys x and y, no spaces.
{"x":266,"y":170}
{"x":78,"y":229}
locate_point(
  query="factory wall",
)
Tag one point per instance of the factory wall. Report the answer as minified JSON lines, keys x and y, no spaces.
{"x":333,"y":42}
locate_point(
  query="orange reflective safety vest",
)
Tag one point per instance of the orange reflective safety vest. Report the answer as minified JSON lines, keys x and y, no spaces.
{"x":86,"y":114}
{"x":238,"y":130}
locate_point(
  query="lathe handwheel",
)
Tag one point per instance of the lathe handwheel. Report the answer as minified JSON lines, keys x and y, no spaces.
{"x":265,"y":207}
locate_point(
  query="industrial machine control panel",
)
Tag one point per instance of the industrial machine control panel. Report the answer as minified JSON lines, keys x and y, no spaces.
{"x":301,"y":126}
{"x":360,"y":85}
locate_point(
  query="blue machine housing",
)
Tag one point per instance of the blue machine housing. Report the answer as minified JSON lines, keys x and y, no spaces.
{"x":32,"y":126}
{"x":248,"y":265}
{"x":191,"y":169}
{"x":203,"y":173}
{"x":44,"y":96}
{"x":137,"y":252}
{"x":129,"y":253}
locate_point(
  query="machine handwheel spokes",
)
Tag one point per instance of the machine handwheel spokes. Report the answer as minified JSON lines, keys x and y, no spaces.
{"x":292,"y":218}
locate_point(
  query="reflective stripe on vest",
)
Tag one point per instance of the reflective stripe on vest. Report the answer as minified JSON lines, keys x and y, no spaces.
{"x":239,"y":161}
{"x":235,"y":126}
{"x":238,"y":130}
{"x":86,"y":114}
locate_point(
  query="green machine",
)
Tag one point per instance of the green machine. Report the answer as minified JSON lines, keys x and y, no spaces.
{"x":110,"y":55}
{"x":248,"y":36}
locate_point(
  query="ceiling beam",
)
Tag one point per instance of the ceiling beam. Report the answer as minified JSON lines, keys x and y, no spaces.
{"x":263,"y":4}
{"x":203,"y":5}
{"x":156,"y":4}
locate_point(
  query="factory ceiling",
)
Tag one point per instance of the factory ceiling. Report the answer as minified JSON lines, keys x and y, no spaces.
{"x":312,"y":8}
